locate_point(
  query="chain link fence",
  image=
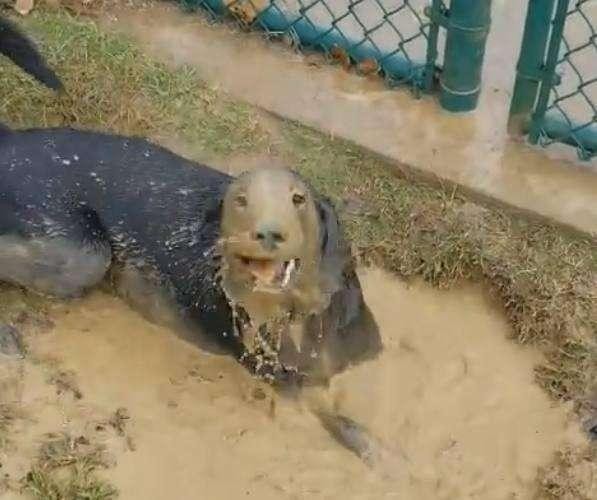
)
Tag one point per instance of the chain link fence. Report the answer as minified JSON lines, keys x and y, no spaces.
{"x":439,"y":45}
{"x":555,"y":96}
{"x":395,"y":39}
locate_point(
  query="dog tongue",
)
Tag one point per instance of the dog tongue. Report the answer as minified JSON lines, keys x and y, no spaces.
{"x":266,"y":271}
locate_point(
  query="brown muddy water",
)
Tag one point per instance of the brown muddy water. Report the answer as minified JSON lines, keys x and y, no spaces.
{"x":451,"y":404}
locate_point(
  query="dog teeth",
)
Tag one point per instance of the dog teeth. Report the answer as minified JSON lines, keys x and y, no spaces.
{"x":288,"y":272}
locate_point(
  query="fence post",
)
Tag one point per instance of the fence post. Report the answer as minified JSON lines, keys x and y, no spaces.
{"x":467,"y":23}
{"x":549,"y":70}
{"x":530,"y":68}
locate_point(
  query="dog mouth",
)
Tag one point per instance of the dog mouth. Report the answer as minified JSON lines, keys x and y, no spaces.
{"x":271,"y":272}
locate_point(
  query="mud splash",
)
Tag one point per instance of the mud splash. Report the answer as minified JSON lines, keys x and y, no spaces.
{"x":451,"y":405}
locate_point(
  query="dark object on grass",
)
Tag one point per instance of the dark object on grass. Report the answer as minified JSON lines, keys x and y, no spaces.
{"x":23,"y":52}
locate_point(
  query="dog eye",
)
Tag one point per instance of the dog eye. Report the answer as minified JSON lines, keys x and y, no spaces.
{"x":298,"y":199}
{"x":241,"y":200}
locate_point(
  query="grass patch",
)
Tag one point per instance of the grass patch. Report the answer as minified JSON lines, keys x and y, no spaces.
{"x":112,"y":86}
{"x":9,"y":412}
{"x":569,"y":476}
{"x":65,"y":470}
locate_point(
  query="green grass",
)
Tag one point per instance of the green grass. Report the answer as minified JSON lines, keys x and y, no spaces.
{"x":112,"y":86}
{"x":568,"y":476}
{"x":545,"y":279}
{"x":65,"y":470}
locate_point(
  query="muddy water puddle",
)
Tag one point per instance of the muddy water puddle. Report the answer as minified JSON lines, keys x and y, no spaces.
{"x":451,"y":403}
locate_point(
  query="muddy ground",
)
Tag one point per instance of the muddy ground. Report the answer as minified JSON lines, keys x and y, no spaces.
{"x":452,"y":403}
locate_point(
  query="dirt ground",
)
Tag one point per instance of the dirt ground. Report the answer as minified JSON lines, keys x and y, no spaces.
{"x":452,"y":403}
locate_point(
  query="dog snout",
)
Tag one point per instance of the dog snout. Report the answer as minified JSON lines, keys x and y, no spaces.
{"x":270,"y":238}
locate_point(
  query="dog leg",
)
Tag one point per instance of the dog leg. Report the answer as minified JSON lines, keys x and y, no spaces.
{"x":57,"y":267}
{"x":145,"y":296}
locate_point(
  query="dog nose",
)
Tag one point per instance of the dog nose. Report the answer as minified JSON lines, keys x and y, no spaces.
{"x":269,"y":238}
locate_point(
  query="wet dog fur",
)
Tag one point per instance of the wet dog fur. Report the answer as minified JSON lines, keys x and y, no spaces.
{"x":77,"y":206}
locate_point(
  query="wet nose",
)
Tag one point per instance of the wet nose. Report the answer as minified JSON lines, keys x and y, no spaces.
{"x":269,"y":238}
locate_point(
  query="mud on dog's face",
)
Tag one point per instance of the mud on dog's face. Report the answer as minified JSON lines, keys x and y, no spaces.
{"x":270,"y":230}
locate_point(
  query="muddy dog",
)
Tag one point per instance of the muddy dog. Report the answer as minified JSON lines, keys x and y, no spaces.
{"x":258,"y":262}
{"x":22,"y":51}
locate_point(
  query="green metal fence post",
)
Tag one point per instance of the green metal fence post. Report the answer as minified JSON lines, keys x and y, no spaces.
{"x":467,"y":23}
{"x":549,"y":71}
{"x":529,"y":71}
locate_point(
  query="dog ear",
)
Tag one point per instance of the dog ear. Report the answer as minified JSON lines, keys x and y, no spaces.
{"x":331,"y":232}
{"x":323,"y":225}
{"x":215,"y":213}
